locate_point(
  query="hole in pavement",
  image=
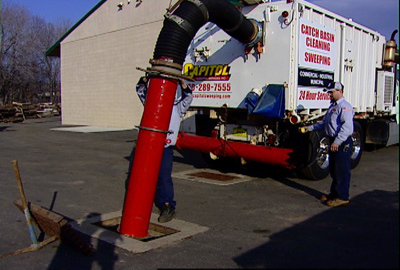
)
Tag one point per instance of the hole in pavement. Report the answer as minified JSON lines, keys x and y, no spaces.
{"x":156,"y":231}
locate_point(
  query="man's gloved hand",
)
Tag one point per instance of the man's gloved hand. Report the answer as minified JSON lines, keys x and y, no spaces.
{"x":184,"y":86}
{"x":143,"y":80}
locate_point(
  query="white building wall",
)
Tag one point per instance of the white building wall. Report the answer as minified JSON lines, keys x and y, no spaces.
{"x":99,"y":60}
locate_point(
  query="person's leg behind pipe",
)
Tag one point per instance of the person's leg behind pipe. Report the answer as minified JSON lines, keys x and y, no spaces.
{"x":164,"y":197}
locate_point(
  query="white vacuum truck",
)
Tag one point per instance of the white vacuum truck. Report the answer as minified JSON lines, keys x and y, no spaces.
{"x":251,"y":99}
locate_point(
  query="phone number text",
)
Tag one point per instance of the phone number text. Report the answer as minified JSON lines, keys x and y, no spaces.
{"x":211,"y":87}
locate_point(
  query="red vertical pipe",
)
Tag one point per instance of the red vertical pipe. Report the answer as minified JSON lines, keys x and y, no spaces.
{"x":147,"y":159}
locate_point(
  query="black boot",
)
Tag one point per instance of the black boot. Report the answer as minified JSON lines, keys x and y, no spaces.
{"x":167,"y":213}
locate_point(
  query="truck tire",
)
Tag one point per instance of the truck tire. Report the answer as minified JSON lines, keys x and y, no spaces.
{"x":358,"y":145}
{"x":318,"y":157}
{"x":317,"y":163}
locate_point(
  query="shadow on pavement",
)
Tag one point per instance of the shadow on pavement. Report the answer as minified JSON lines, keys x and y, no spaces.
{"x":364,"y":234}
{"x":3,"y":128}
{"x":293,"y":184}
{"x":66,"y":258}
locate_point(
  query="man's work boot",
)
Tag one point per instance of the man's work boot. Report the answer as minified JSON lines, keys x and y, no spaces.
{"x":325,"y":198}
{"x":337,"y":202}
{"x":167,"y":213}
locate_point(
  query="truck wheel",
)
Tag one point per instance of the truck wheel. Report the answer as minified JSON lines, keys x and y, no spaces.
{"x":358,"y":145}
{"x":318,"y":157}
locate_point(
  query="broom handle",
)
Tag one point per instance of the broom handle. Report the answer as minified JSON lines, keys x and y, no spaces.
{"x":28,"y":217}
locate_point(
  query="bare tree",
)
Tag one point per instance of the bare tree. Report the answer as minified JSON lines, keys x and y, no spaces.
{"x":51,"y":65}
{"x":13,"y":23}
{"x":26,"y":74}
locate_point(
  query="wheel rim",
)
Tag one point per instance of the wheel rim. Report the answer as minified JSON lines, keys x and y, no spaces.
{"x":356,"y":145}
{"x":323,"y":153}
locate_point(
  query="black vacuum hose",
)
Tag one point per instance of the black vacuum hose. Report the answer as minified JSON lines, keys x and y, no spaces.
{"x":177,"y":33}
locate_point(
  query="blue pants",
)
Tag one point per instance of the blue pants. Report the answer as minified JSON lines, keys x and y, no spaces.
{"x":165,"y":186}
{"x":339,"y":169}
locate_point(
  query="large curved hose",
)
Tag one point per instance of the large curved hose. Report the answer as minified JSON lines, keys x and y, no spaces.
{"x":170,"y":51}
{"x":179,"y":29}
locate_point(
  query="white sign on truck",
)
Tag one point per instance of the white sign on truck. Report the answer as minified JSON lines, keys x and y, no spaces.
{"x":317,"y":58}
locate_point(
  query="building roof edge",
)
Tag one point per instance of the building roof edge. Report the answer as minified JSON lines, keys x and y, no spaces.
{"x":55,"y":49}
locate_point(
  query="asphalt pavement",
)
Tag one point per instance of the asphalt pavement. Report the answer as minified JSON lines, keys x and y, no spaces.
{"x":267,"y":219}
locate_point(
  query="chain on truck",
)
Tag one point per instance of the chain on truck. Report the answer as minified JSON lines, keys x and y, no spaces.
{"x":250,"y":99}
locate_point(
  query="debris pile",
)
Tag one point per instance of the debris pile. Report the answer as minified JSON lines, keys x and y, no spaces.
{"x":18,"y":112}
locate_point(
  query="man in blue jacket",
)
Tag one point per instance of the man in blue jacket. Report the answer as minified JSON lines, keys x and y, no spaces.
{"x":164,"y":197}
{"x":338,"y":125}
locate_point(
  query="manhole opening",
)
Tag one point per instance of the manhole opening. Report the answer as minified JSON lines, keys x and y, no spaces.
{"x":213,"y":176}
{"x":155,"y":231}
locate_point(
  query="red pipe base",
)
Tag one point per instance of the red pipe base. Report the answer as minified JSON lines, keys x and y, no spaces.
{"x":147,"y":159}
{"x":222,"y":148}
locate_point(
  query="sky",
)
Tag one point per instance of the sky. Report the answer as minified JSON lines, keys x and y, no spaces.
{"x":379,"y":15}
{"x":54,"y":10}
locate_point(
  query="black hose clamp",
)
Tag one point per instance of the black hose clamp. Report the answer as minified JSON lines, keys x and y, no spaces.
{"x":202,"y":8}
{"x":155,"y":130}
{"x":258,"y":25}
{"x":182,"y":23}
